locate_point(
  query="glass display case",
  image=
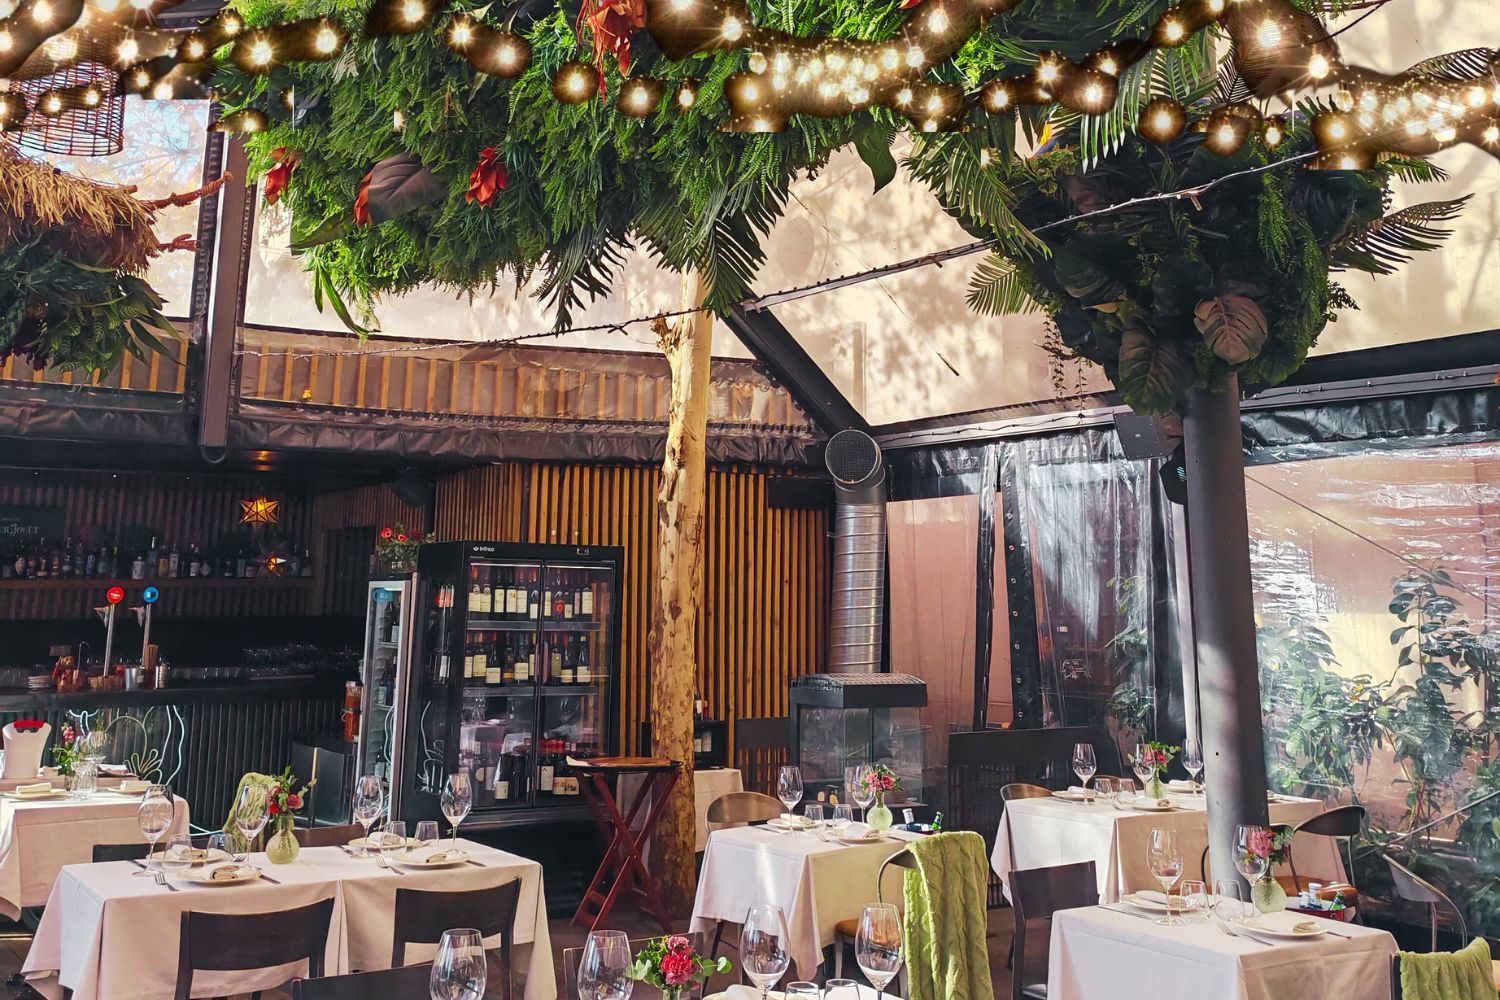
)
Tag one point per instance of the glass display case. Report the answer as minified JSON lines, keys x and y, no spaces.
{"x":841,"y":720}
{"x":515,"y":655}
{"x":384,"y":668}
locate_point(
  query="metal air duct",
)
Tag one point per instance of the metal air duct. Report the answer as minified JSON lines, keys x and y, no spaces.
{"x":858,"y":618}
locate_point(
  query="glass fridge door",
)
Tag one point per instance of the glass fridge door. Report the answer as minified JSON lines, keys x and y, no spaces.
{"x":578,"y":605}
{"x":498,"y":719}
{"x":430,"y":709}
{"x":382,"y":671}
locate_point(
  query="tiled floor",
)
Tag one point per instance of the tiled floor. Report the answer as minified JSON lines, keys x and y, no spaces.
{"x":15,"y":940}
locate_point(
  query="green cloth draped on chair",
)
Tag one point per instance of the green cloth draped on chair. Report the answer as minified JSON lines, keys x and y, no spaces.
{"x":1448,"y":975}
{"x":231,"y":827}
{"x":946,"y":907}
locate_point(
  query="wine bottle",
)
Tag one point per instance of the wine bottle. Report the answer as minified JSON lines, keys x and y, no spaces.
{"x":554,"y":665}
{"x":547,"y":770}
{"x":582,"y":674}
{"x":502,"y":778}
{"x":494,"y":670}
{"x":481,"y":659}
{"x":533,"y":608}
{"x":474,"y":593}
{"x":174,"y":562}
{"x":586,"y":602}
{"x":487,"y":596}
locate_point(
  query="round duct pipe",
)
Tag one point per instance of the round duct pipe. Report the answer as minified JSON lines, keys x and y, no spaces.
{"x":858,"y":599}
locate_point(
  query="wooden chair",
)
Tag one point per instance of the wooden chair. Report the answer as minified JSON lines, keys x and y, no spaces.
{"x":120,"y":852}
{"x":573,"y":957}
{"x":422,"y":916}
{"x":1011,"y":792}
{"x":401,"y":983}
{"x":1037,"y":893}
{"x":742,"y":809}
{"x":761,"y":747}
{"x":846,"y":931}
{"x":233,"y":942}
{"x":328,"y":836}
{"x":1343,"y":824}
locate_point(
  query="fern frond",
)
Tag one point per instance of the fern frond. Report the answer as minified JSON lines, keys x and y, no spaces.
{"x":1389,"y":242}
{"x":996,"y":288}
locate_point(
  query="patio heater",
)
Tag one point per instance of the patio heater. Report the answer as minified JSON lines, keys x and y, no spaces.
{"x":840,"y":720}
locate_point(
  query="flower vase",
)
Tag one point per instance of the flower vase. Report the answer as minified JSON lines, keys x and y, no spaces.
{"x":282,"y":848}
{"x":879,"y":817}
{"x":1154,"y":788}
{"x":1268,"y":895}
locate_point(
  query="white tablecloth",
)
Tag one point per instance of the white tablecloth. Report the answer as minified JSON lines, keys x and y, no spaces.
{"x":37,"y":838}
{"x":708,"y":785}
{"x":113,"y":935}
{"x":816,"y":883}
{"x":1054,"y":831}
{"x":1097,"y":952}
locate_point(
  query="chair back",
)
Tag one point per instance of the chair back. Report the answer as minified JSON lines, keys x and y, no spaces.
{"x":327,"y":836}
{"x":423,"y":915}
{"x":230,"y":942}
{"x":1021,"y":790}
{"x":23,"y":750}
{"x":1344,"y":821}
{"x":402,"y":983}
{"x":572,"y":957}
{"x":761,"y":747}
{"x":120,"y":852}
{"x":1037,"y":893}
{"x":1415,"y":889}
{"x":903,"y":858}
{"x":738,"y":808}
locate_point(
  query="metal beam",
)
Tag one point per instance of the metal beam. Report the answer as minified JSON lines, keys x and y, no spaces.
{"x":786,"y":361}
{"x":222,"y":322}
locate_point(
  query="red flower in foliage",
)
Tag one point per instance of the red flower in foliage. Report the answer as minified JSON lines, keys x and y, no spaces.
{"x":401,"y":538}
{"x":677,"y":967}
{"x":278,"y":176}
{"x":488,"y":179}
{"x":612,"y":23}
{"x":362,"y":202}
{"x":274,"y":809}
{"x":294,"y":801}
{"x":386,"y":532}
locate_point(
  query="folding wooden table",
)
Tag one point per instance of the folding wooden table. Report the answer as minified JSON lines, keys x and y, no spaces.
{"x":622,"y":873}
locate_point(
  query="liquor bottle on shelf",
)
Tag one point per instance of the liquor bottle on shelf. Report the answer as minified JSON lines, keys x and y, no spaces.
{"x":306,"y":563}
{"x":174,"y":562}
{"x":520,"y":772}
{"x":151,"y":556}
{"x":515,"y":601}
{"x":54,"y":558}
{"x":508,"y":665}
{"x":568,"y":599}
{"x":20,"y":563}
{"x":163,"y":564}
{"x":481,"y":658}
{"x":65,"y":568}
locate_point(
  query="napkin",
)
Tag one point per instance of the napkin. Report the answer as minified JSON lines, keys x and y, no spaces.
{"x":40,"y":788}
{"x":1077,"y":790}
{"x":435,"y":857}
{"x":228,"y":872}
{"x":1152,"y":896}
{"x":134,"y":785}
{"x":1305,"y":927}
{"x":1179,"y":785}
{"x":121,"y":770}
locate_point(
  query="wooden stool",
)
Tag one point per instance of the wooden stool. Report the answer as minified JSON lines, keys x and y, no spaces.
{"x":622,"y":870}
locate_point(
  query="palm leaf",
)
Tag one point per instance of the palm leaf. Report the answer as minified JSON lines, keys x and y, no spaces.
{"x":996,"y":288}
{"x":1457,"y":67}
{"x":1389,"y":242}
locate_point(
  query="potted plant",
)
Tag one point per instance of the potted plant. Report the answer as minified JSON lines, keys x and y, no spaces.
{"x":284,"y":799}
{"x":396,"y":548}
{"x":671,"y":965}
{"x":881,"y":780}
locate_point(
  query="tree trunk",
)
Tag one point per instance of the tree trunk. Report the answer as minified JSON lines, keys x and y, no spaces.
{"x":672,"y":648}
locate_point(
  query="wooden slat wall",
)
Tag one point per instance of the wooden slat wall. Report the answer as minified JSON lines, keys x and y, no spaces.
{"x":765,"y":603}
{"x":155,"y":374}
{"x":371,"y":507}
{"x":180,"y":509}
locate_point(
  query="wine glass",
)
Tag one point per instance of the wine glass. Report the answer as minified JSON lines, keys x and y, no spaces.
{"x":427,"y":833}
{"x":763,"y":946}
{"x":369,"y":803}
{"x":789,"y":788}
{"x":1192,"y":762}
{"x":1252,"y":857}
{"x":877,"y":945}
{"x":252,"y":812}
{"x":458,"y":972}
{"x":1165,"y":858}
{"x":864,"y":792}
{"x":1084,"y":766}
{"x":1140,"y":764}
{"x":155,"y":815}
{"x":604,"y":971}
{"x":457,"y":800}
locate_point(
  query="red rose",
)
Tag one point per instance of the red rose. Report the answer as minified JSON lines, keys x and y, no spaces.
{"x":274,"y":809}
{"x":677,"y":968}
{"x":400,"y":538}
{"x":294,"y":801}
{"x":386,"y":532}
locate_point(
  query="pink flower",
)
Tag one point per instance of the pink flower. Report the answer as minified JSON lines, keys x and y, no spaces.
{"x":386,"y":532}
{"x":294,"y":801}
{"x":1260,"y":843}
{"x":677,"y":968}
{"x":678,"y":943}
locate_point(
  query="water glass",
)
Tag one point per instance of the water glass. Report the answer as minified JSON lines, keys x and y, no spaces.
{"x":1084,"y":766}
{"x":843,"y":815}
{"x":155,"y":815}
{"x":789,"y":787}
{"x":458,"y":972}
{"x":1192,"y":761}
{"x":231,"y":844}
{"x":604,"y":971}
{"x":1104,"y":788}
{"x":1195,"y":899}
{"x":427,"y":833}
{"x":877,"y":945}
{"x":804,"y":990}
{"x":390,"y":841}
{"x":814,"y":815}
{"x":178,"y":855}
{"x":1165,"y":858}
{"x":763,"y":946}
{"x":1229,"y":901}
{"x":457,"y":799}
{"x":1124,"y":796}
{"x":1252,"y":851}
{"x":841,"y":989}
{"x":369,"y":803}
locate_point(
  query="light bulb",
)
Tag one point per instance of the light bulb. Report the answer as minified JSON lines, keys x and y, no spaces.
{"x":779,"y":81}
{"x":1216,"y":7}
{"x":1495,"y":95}
{"x":142,"y":77}
{"x":1347,"y":162}
{"x":733,"y":30}
{"x":162,"y":91}
{"x":929,"y":125}
{"x":939,"y":20}
{"x":6,"y":41}
{"x":61,"y":48}
{"x":1108,"y":66}
{"x":1172,"y":30}
{"x":413,"y":11}
{"x":858,"y":95}
{"x":141,"y":4}
{"x":998,"y":98}
{"x":107,"y":6}
{"x":1225,"y":134}
{"x":462,"y":33}
{"x":686,"y":96}
{"x":935,"y":103}
{"x":782,"y":63}
{"x":682,"y":5}
{"x":1048,"y":71}
{"x":1269,"y":34}
{"x":4,"y":108}
{"x":758,"y":62}
{"x":326,"y":41}
{"x":639,"y":99}
{"x":1422,"y":99}
{"x":1366,"y":120}
{"x":398,"y":120}
{"x":1388,"y":114}
{"x":750,"y":91}
{"x":52,"y":105}
{"x":890,"y":59}
{"x":1476,"y":97}
{"x":835,"y":61}
{"x":1343,"y":100}
{"x":903,"y":96}
{"x":915,"y":57}
{"x":1368,"y":100}
{"x":1317,"y":66}
{"x":828,"y":88}
{"x":1093,"y":95}
{"x":1273,"y":135}
{"x":1162,"y":121}
{"x":1337,"y":130}
{"x":1445,"y":134}
{"x":230,"y":24}
{"x":261,"y":52}
{"x":1416,"y":127}
{"x":815,"y":68}
{"x":984,"y":157}
{"x":1492,"y":134}
{"x":41,"y":13}
{"x":91,"y":97}
{"x":506,"y":55}
{"x":195,"y":49}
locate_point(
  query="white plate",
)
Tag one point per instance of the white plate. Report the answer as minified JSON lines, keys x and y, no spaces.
{"x":873,"y":838}
{"x":1152,"y":806}
{"x":795,"y":823}
{"x":54,"y":793}
{"x":1154,"y":905}
{"x":1279,"y":926}
{"x":447,"y":859}
{"x":1070,"y":796}
{"x":360,"y":843}
{"x":203,"y":875}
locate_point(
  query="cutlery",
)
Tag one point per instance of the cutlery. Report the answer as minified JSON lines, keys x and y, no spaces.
{"x":1237,"y":934}
{"x":266,"y":878}
{"x":162,"y":880}
{"x":476,"y":864}
{"x":1128,"y":913}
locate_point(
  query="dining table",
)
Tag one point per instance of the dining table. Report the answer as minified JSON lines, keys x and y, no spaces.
{"x":1060,"y":829}
{"x":816,"y":882}
{"x":40,"y":836}
{"x":1120,"y":952}
{"x":709,"y":783}
{"x":110,"y":931}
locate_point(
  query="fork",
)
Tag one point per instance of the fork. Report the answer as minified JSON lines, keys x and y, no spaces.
{"x":161,"y":879}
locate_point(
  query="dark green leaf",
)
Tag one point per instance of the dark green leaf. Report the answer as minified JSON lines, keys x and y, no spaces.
{"x":873,"y":144}
{"x":1154,"y":371}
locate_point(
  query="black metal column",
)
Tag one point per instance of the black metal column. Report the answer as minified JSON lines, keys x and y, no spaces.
{"x":221,"y":326}
{"x":1224,"y":620}
{"x":984,"y":585}
{"x":1025,"y":652}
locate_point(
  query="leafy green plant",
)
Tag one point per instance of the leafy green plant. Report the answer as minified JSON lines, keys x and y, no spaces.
{"x":1133,"y":702}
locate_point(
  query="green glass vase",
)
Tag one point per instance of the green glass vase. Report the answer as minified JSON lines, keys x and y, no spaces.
{"x":282,"y":848}
{"x":879,"y":817}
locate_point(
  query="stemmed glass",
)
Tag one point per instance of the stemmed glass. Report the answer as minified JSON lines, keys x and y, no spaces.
{"x":1084,"y":766}
{"x":604,"y":971}
{"x":1165,"y":858}
{"x":1192,"y":762}
{"x":457,"y":800}
{"x":252,"y":812}
{"x":864,"y":792}
{"x":877,"y":945}
{"x":155,"y":816}
{"x":789,"y":788}
{"x":458,"y":972}
{"x":1252,"y":857}
{"x":763,"y":946}
{"x":1140,"y":764}
{"x":369,"y":802}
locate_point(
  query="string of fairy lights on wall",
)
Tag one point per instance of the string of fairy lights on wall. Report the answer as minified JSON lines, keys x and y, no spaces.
{"x":1278,"y":51}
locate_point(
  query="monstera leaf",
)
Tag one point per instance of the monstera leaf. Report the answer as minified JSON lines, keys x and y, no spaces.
{"x":1154,"y":371}
{"x":399,"y":184}
{"x":1177,"y":288}
{"x":1234,"y":326}
{"x":1086,"y":280}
